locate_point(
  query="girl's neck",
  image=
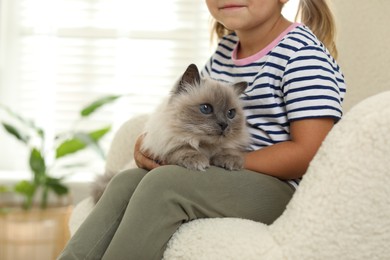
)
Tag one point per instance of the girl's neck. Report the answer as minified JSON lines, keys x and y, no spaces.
{"x":254,"y":40}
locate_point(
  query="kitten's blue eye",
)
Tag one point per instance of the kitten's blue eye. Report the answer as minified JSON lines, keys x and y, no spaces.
{"x":206,"y":109}
{"x":231,"y":113}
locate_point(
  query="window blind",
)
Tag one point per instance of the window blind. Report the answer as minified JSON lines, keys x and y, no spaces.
{"x":70,"y":52}
{"x":58,"y":55}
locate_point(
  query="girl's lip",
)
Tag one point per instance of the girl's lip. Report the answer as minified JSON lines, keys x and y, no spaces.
{"x":231,"y":6}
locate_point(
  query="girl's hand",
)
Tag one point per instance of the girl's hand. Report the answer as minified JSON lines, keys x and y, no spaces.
{"x":143,"y":159}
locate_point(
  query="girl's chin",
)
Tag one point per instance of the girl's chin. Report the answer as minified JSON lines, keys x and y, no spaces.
{"x":233,"y":24}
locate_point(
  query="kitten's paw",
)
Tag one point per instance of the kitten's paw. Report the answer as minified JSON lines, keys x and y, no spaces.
{"x":196,"y":162}
{"x":228,"y":161}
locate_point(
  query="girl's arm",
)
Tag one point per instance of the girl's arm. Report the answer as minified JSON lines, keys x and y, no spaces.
{"x":290,"y":159}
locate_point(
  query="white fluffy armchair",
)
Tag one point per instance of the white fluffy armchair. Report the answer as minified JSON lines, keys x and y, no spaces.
{"x":340,"y":211}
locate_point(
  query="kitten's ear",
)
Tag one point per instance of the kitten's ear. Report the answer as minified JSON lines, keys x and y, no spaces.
{"x":190,"y":77}
{"x":240,"y":87}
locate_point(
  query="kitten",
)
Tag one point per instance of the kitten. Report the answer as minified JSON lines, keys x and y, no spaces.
{"x":202,"y":123}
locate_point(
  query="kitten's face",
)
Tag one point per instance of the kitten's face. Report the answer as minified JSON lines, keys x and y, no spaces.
{"x":208,"y":110}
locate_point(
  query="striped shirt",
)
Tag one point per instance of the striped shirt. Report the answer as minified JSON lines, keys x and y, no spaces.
{"x":293,"y":78}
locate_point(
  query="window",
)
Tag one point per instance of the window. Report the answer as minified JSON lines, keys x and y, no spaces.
{"x":58,"y":55}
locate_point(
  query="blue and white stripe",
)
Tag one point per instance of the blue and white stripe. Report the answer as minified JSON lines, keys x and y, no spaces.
{"x":297,"y":79}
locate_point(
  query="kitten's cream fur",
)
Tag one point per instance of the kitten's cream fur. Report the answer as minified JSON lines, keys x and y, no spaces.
{"x":179,"y":133}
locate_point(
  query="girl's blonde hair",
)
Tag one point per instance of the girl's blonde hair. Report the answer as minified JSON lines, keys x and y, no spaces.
{"x":316,"y":14}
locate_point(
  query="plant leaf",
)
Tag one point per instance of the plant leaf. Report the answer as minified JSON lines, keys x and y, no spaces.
{"x":69,"y":146}
{"x":37,"y":164}
{"x":73,"y":166}
{"x":56,"y":186}
{"x":16,"y":133}
{"x":27,"y":122}
{"x":4,"y":188}
{"x":25,"y":188}
{"x":91,"y":108}
{"x":80,"y":141}
{"x":93,"y":137}
{"x":91,"y":142}
{"x":98,"y":134}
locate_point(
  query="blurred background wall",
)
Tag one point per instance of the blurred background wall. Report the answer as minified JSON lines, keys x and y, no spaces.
{"x":364,"y":46}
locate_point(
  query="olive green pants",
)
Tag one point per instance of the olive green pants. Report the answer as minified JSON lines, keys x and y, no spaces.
{"x":140,"y":210}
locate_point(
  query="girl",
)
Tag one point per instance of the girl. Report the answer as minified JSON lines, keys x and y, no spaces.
{"x":294,"y":98}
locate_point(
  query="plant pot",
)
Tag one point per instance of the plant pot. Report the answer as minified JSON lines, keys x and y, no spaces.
{"x":34,"y":234}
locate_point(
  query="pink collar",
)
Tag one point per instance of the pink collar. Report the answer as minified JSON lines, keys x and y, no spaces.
{"x":264,"y":51}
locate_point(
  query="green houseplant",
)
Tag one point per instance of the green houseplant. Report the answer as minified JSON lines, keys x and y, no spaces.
{"x":41,"y":162}
{"x":22,"y":230}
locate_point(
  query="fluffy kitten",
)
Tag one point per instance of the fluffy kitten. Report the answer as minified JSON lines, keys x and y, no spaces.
{"x":201,"y":124}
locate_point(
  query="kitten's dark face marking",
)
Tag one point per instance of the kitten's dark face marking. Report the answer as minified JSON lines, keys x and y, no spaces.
{"x":206,"y":108}
{"x":190,"y":77}
{"x":217,"y":116}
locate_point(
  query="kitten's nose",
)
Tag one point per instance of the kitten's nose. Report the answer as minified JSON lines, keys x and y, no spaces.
{"x":223,"y":126}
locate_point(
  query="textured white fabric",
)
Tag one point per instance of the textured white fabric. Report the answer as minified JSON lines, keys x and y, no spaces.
{"x":340,"y":211}
{"x":122,"y":145}
{"x":80,"y":212}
